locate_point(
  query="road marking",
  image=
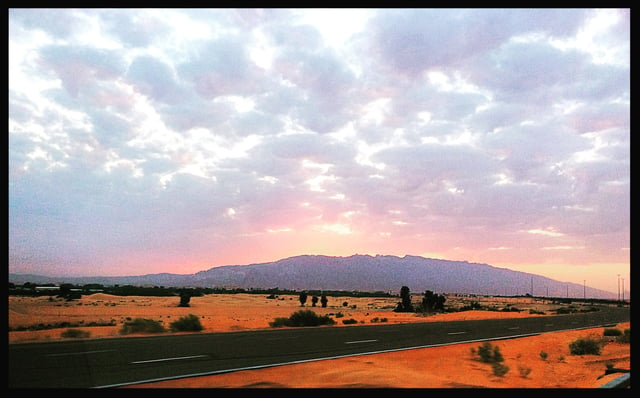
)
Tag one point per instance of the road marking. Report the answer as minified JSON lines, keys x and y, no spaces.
{"x":549,"y":324}
{"x":514,"y":328}
{"x":170,"y":359}
{"x":452,"y":333}
{"x":77,"y":353}
{"x":359,"y":341}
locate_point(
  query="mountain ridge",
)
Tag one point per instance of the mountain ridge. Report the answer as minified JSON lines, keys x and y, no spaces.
{"x":358,"y":272}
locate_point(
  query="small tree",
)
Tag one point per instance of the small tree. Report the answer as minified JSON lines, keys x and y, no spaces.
{"x":323,"y":301}
{"x":185,"y":297}
{"x":405,"y":305}
{"x":302,"y":298}
{"x":314,"y":300}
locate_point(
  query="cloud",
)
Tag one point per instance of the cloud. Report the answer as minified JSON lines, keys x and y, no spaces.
{"x":175,"y":138}
{"x":77,"y":66}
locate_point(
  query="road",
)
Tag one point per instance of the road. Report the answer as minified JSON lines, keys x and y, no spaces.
{"x":107,"y":363}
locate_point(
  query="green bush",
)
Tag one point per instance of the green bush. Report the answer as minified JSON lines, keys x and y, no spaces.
{"x":543,"y":355}
{"x":302,"y":318}
{"x":499,"y":369}
{"x":489,"y":353}
{"x":141,"y":325}
{"x":585,"y":346}
{"x":75,"y":333}
{"x":625,"y":338}
{"x":349,"y":321}
{"x":497,"y":355}
{"x":485,"y":352}
{"x":189,"y":323}
{"x":612,"y":332}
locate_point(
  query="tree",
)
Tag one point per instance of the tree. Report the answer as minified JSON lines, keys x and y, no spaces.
{"x":185,"y":297}
{"x":405,"y":305}
{"x":323,"y":301}
{"x":314,"y":300}
{"x":433,"y":302}
{"x":303,"y":299}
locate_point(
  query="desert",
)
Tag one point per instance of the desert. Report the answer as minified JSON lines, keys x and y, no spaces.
{"x":450,"y":366}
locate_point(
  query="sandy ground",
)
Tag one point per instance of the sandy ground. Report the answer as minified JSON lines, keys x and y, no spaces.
{"x":436,"y":367}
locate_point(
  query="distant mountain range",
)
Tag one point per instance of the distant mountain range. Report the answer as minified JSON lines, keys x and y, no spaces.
{"x":353,"y":273}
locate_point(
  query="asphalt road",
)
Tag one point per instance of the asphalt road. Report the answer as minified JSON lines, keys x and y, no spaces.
{"x":106,"y":363}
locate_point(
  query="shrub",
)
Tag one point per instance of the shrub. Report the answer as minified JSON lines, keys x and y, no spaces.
{"x":349,"y":321}
{"x":141,"y":325}
{"x":485,"y":352}
{"x":189,"y":323}
{"x":497,"y":356}
{"x":543,"y":355}
{"x":524,"y":371}
{"x":302,"y":318}
{"x":489,"y":353}
{"x":279,"y":322}
{"x":585,"y":346}
{"x":625,"y":338}
{"x":75,"y":333}
{"x":499,"y":369}
{"x":612,"y":332}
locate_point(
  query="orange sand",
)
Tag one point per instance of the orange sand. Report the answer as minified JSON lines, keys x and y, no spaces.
{"x":437,"y":367}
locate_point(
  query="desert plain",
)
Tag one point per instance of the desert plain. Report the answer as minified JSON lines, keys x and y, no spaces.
{"x":542,"y":361}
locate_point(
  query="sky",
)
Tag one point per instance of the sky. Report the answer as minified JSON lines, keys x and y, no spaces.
{"x":175,"y":140}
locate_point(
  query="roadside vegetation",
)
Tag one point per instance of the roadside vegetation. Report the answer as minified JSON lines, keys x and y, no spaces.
{"x":189,"y":323}
{"x":487,"y":353}
{"x":302,"y":318}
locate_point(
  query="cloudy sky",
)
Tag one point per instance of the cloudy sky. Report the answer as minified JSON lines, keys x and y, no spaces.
{"x":145,"y":141}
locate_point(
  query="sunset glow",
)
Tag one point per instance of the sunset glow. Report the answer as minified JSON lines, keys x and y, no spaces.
{"x":175,"y":140}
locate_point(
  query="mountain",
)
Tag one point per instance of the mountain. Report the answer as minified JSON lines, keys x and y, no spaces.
{"x":354,"y":273}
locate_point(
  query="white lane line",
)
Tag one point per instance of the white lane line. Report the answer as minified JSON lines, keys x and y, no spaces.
{"x":359,"y":341}
{"x":170,"y":359}
{"x":452,"y":333}
{"x":548,"y":324}
{"x":514,"y":328}
{"x":77,"y":353}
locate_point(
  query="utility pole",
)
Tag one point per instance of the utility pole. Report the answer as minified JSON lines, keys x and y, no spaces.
{"x":618,"y":287}
{"x":584,"y":288}
{"x":623,"y":289}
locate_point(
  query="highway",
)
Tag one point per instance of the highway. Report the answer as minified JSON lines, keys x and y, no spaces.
{"x":115,"y":362}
